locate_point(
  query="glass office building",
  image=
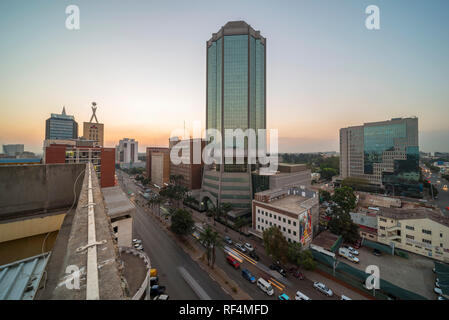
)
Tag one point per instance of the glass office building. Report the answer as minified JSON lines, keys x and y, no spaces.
{"x":235,"y":99}
{"x":384,"y":153}
{"x":61,"y":126}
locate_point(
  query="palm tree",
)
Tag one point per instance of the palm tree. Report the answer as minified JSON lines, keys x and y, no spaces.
{"x":224,"y":209}
{"x":240,"y":223}
{"x":156,"y":201}
{"x":211,"y":240}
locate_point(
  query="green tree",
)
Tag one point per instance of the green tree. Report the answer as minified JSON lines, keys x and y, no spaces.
{"x":306,"y":260}
{"x":240,"y":223}
{"x":345,"y":198}
{"x":275,"y":243}
{"x":225,"y":208}
{"x":294,"y":252}
{"x":211,"y":240}
{"x":181,"y":222}
{"x":342,"y":224}
{"x":156,"y":201}
{"x":328,"y":173}
{"x":325,"y":196}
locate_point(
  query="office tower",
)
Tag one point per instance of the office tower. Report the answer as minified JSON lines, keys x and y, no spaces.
{"x":158,"y":165}
{"x":94,"y":130}
{"x":13,"y":149}
{"x":127,"y":151}
{"x":61,"y":126}
{"x":235,"y":99}
{"x":383,"y":154}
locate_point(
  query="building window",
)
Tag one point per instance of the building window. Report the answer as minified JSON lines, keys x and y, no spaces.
{"x":294,"y":233}
{"x":279,"y":218}
{"x":289,"y":222}
{"x":283,"y":220}
{"x":274,"y":216}
{"x":283,"y":229}
{"x":258,"y":226}
{"x":441,"y":245}
{"x":258,"y":210}
{"x":270,"y":215}
{"x":270,"y":223}
{"x":288,"y":231}
{"x":409,"y":237}
{"x":294,"y":223}
{"x":383,"y":220}
{"x":441,"y":235}
{"x":258,"y":219}
{"x":410,"y":228}
{"x":426,"y":231}
{"x":426,"y":241}
{"x":382,"y":228}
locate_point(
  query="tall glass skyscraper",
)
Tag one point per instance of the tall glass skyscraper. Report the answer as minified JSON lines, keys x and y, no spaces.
{"x":236,"y":99}
{"x":61,"y":126}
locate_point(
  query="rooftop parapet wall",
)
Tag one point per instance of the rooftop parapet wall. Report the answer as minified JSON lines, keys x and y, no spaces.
{"x":25,"y":190}
{"x":68,"y":251}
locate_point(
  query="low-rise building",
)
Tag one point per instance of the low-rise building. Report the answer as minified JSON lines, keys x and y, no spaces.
{"x":421,"y":230}
{"x":367,"y":222}
{"x":294,"y":211}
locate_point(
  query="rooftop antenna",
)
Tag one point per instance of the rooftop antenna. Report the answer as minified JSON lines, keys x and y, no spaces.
{"x":94,"y":109}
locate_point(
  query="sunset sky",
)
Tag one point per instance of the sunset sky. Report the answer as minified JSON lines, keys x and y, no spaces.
{"x":144,"y":64}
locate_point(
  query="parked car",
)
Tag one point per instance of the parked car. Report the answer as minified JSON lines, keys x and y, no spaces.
{"x":249,"y":247}
{"x":248,"y":276}
{"x":301,"y":296}
{"x":156,"y":290}
{"x":296,"y":273}
{"x":283,"y":297}
{"x":377,"y":252}
{"x":138,"y":246}
{"x":161,"y":297}
{"x":441,"y":298}
{"x":352,"y":250}
{"x":358,"y":244}
{"x":254,"y":255}
{"x":240,"y":247}
{"x":228,"y":240}
{"x":279,"y":269}
{"x":137,"y":241}
{"x":233,"y":262}
{"x":265,"y":286}
{"x":322,"y":288}
{"x":343,"y":297}
{"x":438,"y":291}
{"x":154,"y":280}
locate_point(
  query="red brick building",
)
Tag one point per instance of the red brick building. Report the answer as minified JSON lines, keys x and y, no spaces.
{"x":103,"y":159}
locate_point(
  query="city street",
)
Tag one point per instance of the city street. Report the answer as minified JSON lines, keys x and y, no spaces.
{"x":280,"y":284}
{"x":442,"y":200}
{"x":167,"y":256}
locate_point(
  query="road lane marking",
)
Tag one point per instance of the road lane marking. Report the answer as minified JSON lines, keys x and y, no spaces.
{"x":278,"y":283}
{"x":272,"y":283}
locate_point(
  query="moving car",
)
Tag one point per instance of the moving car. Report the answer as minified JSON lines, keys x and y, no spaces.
{"x":228,"y":240}
{"x":377,"y":252}
{"x":254,"y":255}
{"x":301,"y":296}
{"x":322,"y":288}
{"x":233,"y":262}
{"x":248,"y":276}
{"x":265,"y":286}
{"x":138,"y":246}
{"x":283,"y":297}
{"x":240,"y":247}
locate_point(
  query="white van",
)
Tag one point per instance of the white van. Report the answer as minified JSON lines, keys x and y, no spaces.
{"x":343,"y":297}
{"x":265,"y":286}
{"x":301,"y":296}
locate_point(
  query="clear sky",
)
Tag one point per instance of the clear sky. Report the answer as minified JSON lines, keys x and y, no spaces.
{"x":144,"y":64}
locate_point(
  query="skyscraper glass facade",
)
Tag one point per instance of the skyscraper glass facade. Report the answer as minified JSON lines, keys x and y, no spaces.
{"x":61,"y":126}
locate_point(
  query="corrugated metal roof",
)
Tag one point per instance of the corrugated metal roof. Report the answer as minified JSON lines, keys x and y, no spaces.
{"x":19,"y":280}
